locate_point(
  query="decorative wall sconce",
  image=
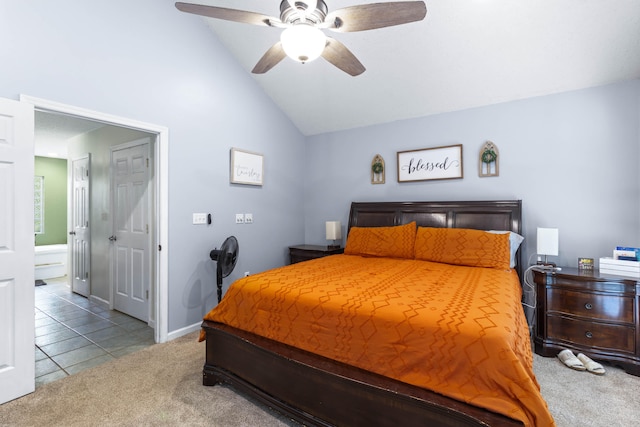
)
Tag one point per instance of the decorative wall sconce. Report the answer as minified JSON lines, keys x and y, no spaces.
{"x":489,"y":160}
{"x":377,"y":170}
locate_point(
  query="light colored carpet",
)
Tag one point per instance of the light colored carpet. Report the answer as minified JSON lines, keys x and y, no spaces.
{"x":162,"y":386}
{"x":579,"y":398}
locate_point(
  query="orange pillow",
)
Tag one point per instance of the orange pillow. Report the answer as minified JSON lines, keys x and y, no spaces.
{"x":463,"y":246}
{"x":392,"y":242}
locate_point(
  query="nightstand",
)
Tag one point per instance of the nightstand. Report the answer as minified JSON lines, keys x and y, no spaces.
{"x":588,"y":312}
{"x":301,"y":253}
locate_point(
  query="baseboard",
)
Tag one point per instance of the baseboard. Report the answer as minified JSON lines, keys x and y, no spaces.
{"x":50,"y":271}
{"x":101,"y":302}
{"x":183,"y":331}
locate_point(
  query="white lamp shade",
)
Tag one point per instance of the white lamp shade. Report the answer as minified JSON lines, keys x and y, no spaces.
{"x":548,"y":241}
{"x":303,"y":42}
{"x":334,"y":230}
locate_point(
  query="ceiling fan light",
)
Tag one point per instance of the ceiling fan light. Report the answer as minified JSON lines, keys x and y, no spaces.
{"x":303,"y":42}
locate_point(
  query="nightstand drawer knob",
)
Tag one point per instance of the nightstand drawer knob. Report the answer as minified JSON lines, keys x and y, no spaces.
{"x":588,"y":306}
{"x":589,"y":334}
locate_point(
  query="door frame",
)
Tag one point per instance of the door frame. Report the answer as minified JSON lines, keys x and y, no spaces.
{"x":161,"y":189}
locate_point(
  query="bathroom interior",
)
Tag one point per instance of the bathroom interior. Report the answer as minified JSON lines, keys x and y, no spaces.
{"x":50,"y":212}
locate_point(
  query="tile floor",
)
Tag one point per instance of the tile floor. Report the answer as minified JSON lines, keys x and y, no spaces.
{"x":73,"y":333}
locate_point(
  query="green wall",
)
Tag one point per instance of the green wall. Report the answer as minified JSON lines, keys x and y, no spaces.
{"x":55,"y":200}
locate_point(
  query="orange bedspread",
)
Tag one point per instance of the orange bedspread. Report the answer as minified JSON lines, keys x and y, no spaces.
{"x":459,"y":331}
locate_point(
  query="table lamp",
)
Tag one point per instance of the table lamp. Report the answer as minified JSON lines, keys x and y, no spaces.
{"x":547,"y":244}
{"x":333,"y":232}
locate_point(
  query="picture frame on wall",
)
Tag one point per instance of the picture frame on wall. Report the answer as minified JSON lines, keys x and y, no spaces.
{"x":246,"y":167}
{"x":430,"y":164}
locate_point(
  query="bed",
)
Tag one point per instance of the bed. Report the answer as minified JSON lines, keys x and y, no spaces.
{"x":273,"y":347}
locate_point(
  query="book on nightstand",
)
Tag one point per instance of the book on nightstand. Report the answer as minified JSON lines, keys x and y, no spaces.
{"x":626,"y":253}
{"x":620,"y":267}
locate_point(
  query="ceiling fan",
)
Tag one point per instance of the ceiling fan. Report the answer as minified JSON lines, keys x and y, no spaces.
{"x":303,"y":21}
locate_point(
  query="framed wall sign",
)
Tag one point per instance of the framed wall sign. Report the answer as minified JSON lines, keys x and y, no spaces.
{"x":430,"y":163}
{"x":246,"y":167}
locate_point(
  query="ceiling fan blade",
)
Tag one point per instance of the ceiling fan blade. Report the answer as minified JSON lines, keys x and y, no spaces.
{"x":227,"y":14}
{"x":376,"y":15}
{"x":338,"y":54}
{"x":270,"y":59}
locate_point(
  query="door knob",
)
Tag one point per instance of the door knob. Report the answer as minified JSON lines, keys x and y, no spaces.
{"x":72,"y":233}
{"x":113,"y":238}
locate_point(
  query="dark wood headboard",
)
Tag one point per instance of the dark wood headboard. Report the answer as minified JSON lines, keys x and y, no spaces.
{"x":480,"y":215}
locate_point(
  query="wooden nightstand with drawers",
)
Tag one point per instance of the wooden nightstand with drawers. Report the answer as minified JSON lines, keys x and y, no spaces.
{"x":301,"y":253}
{"x":589,"y":313}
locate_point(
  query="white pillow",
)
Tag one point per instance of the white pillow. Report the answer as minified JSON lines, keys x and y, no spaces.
{"x":515,"y":240}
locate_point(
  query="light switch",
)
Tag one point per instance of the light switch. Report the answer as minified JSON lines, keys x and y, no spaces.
{"x":199,"y":218}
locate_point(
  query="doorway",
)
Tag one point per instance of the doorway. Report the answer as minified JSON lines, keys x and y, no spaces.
{"x":159,"y":284}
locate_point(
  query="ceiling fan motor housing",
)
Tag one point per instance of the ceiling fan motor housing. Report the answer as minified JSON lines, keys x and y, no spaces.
{"x":290,"y":15}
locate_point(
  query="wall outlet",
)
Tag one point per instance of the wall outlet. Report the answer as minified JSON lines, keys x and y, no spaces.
{"x":246,"y":273}
{"x":199,"y":218}
{"x":239,"y":218}
{"x":248,"y":218}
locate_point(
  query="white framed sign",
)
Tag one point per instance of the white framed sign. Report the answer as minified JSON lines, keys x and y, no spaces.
{"x":246,"y":167}
{"x":430,"y":163}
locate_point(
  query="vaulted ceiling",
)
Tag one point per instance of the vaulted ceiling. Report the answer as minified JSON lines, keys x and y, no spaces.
{"x":464,"y":54}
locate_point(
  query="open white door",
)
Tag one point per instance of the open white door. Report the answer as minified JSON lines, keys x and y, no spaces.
{"x":17,"y":294}
{"x":80,"y":235}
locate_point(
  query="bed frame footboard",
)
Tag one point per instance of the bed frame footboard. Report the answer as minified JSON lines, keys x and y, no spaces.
{"x":317,"y":391}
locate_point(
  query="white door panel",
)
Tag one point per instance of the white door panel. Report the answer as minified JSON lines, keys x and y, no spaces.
{"x":80,"y":235}
{"x":131,"y":239}
{"x":17,"y":320}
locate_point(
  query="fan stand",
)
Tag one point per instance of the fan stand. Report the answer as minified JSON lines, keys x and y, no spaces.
{"x":219,"y":281}
{"x":215,"y":255}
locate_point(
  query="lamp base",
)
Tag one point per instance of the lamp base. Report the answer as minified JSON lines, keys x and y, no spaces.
{"x":546,"y":263}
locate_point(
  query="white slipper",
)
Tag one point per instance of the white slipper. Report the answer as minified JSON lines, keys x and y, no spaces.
{"x":592,"y":366}
{"x":570,"y":360}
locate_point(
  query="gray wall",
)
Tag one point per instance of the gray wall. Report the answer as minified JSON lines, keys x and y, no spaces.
{"x":146,"y":61}
{"x":572,"y":158}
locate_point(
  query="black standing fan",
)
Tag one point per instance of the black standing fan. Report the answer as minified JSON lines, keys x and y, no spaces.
{"x":226,"y":258}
